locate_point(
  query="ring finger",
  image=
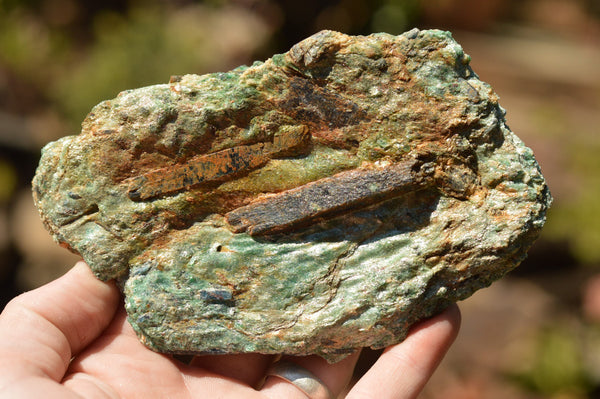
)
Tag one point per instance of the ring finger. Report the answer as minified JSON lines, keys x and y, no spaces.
{"x":314,"y":377}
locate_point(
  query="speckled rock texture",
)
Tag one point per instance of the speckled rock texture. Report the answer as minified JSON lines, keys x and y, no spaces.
{"x":323,"y":200}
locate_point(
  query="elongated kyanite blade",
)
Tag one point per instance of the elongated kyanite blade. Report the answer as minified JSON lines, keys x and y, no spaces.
{"x":216,"y":166}
{"x":323,"y":200}
{"x":344,"y":191}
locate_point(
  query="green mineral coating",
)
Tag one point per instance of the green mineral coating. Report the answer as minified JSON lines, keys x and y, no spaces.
{"x":355,"y":275}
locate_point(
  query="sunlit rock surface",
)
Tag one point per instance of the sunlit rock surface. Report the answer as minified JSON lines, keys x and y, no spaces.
{"x":323,"y":200}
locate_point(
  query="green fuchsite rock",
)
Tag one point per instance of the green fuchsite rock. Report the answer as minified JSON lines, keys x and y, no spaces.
{"x":323,"y":200}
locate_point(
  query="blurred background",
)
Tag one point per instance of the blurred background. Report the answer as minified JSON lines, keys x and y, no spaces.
{"x":535,"y":334}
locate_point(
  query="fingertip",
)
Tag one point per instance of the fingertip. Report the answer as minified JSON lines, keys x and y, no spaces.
{"x":454,"y":317}
{"x":81,"y":268}
{"x":403,"y":369}
{"x":83,"y":281}
{"x":437,"y":333}
{"x":82,"y":272}
{"x":449,"y":318}
{"x":447,"y":322}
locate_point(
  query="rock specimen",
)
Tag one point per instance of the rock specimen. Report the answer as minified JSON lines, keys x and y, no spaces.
{"x":323,"y":200}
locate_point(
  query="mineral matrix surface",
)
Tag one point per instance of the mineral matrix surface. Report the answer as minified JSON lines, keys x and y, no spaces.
{"x":323,"y":200}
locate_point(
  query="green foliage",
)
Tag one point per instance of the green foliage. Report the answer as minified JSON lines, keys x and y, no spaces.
{"x":129,"y":51}
{"x":144,"y":47}
{"x":395,"y":16}
{"x":575,"y":217}
{"x":8,"y":181}
{"x":29,"y":47}
{"x":122,"y":50}
{"x":579,"y":220}
{"x":557,"y":367}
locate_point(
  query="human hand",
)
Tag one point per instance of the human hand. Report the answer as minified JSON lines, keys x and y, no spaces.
{"x":68,"y":340}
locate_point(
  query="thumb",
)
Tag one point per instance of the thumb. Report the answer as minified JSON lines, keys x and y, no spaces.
{"x":41,"y":330}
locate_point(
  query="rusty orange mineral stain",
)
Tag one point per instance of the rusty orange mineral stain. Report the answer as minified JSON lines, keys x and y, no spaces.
{"x":198,"y":170}
{"x":218,"y":166}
